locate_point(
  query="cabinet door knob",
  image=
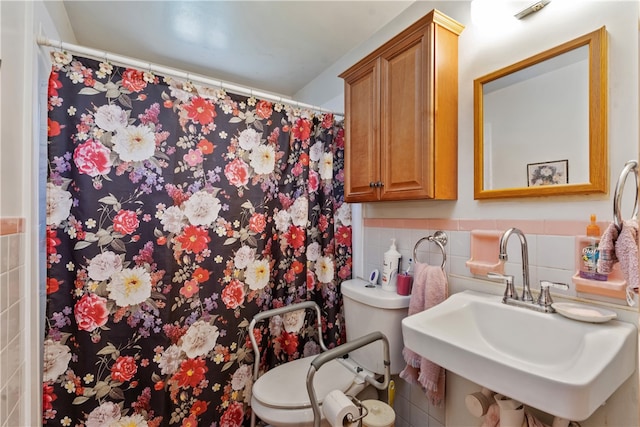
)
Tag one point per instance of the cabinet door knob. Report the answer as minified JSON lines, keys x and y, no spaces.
{"x":372,"y":184}
{"x":380,"y":184}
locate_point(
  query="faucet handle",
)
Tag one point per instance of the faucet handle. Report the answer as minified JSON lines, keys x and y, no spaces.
{"x":544,"y":299}
{"x":499,"y":276}
{"x":509,"y":291}
{"x":545,"y":284}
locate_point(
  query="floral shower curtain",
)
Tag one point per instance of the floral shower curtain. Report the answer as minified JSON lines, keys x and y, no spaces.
{"x":175,"y":213}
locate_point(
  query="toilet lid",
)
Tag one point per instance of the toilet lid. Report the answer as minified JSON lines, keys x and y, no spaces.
{"x":285,"y":386}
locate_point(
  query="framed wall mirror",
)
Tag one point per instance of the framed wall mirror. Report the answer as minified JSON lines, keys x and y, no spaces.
{"x":541,"y":124}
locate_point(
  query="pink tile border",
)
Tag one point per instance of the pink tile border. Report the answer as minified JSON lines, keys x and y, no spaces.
{"x":478,"y":224}
{"x":570,"y":228}
{"x":413,"y":223}
{"x":528,"y":226}
{"x":11,"y":226}
{"x":547,"y":227}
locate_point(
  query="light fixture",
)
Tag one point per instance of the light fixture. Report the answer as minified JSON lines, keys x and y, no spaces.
{"x":532,"y":9}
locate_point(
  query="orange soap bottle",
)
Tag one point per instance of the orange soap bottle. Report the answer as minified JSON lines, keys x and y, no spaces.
{"x":589,"y":253}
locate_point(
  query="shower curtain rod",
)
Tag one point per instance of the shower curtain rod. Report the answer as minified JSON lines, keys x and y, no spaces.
{"x":173,"y":72}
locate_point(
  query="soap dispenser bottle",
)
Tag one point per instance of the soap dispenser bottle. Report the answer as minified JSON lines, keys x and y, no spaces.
{"x":391,"y":266}
{"x":589,"y":253}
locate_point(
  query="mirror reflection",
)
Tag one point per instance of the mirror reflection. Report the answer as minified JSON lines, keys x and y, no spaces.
{"x":541,"y":123}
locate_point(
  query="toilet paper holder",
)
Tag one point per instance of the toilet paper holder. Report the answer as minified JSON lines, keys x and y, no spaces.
{"x":361,"y":409}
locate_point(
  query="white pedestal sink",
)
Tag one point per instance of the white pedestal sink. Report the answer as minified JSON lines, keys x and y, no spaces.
{"x":561,"y":366}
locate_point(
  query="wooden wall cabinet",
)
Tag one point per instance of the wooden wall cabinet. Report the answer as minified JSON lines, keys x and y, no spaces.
{"x":401,"y":116}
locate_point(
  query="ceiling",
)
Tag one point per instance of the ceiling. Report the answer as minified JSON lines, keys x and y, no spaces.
{"x":274,"y":46}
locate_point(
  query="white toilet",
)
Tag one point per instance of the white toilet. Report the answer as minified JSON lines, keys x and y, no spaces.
{"x":280,"y":397}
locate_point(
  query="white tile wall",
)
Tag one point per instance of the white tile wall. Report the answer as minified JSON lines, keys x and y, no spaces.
{"x":12,"y":360}
{"x":550,"y":257}
{"x":413,"y":409}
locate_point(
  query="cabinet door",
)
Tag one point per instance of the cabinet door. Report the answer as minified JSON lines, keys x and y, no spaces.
{"x":407,"y":149}
{"x":362,"y":158}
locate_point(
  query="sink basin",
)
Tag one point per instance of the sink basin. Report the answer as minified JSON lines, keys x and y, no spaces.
{"x":561,"y":366}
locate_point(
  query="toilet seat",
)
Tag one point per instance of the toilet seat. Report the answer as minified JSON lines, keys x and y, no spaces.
{"x":285,"y":386}
{"x":280,"y":397}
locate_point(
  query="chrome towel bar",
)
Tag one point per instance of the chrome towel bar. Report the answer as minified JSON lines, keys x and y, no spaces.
{"x":439,"y":238}
{"x":629,"y":167}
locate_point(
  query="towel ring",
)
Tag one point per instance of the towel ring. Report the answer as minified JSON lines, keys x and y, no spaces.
{"x":630,"y":166}
{"x":439,"y":238}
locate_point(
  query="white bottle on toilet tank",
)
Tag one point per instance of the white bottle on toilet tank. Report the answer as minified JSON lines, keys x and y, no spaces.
{"x":391,"y":266}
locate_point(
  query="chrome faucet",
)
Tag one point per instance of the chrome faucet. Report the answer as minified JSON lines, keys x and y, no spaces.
{"x":544,"y":302}
{"x":526,"y":288}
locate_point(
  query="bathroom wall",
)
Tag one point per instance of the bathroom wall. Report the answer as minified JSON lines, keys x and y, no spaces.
{"x":23,"y":86}
{"x":14,"y":391}
{"x":487,"y":46}
{"x":12,"y":327}
{"x":491,"y":40}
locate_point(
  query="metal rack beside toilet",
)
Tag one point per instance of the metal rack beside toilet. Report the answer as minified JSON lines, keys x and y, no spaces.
{"x":325,"y":356}
{"x":341,"y":351}
{"x":440,"y":238}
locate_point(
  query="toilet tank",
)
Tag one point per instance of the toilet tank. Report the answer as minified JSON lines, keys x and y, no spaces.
{"x":367,"y":309}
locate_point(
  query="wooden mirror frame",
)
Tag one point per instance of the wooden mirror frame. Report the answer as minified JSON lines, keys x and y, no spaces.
{"x":598,"y":150}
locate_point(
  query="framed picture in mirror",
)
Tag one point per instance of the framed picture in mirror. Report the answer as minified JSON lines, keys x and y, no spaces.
{"x":548,"y":173}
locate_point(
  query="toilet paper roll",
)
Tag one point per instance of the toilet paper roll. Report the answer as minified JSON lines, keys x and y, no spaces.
{"x":477,"y":403}
{"x":511,"y":411}
{"x":505,"y":402}
{"x":336,"y":408}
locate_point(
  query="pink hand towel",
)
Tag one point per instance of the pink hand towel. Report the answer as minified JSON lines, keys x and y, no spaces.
{"x":627,"y":253}
{"x":621,"y":246}
{"x":430,"y":288}
{"x":607,"y":249}
{"x":492,"y":418}
{"x":533,"y":421}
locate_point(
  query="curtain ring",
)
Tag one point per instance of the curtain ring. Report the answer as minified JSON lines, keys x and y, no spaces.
{"x":187,"y":86}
